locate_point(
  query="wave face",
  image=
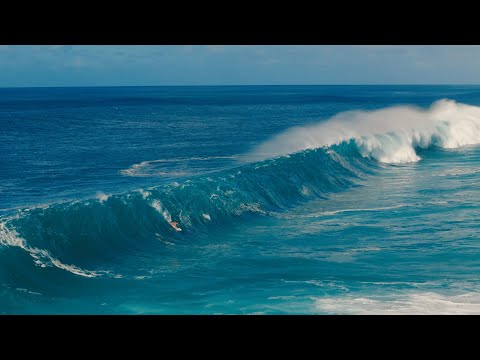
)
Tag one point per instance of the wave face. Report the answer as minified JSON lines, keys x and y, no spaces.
{"x":389,"y":135}
{"x":82,"y":232}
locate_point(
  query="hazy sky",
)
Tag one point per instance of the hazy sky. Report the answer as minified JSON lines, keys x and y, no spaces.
{"x":230,"y":65}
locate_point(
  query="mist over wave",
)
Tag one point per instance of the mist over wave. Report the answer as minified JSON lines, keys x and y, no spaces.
{"x":389,"y":135}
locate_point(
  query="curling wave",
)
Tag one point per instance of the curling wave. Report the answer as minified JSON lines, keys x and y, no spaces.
{"x":82,"y":232}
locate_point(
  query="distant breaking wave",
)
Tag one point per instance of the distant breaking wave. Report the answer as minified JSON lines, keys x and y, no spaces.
{"x":389,"y":135}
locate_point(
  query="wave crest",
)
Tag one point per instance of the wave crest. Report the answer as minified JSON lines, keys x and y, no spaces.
{"x":389,"y":135}
{"x":85,"y":232}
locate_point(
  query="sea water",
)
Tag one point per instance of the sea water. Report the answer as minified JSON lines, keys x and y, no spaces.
{"x":290,"y":200}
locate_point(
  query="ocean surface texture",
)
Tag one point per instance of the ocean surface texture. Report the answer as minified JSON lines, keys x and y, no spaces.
{"x":287,"y":199}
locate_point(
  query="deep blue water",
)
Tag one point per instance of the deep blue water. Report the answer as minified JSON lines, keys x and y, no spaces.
{"x":91,"y":177}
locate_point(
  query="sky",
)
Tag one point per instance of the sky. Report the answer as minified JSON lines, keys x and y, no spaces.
{"x":138,"y":65}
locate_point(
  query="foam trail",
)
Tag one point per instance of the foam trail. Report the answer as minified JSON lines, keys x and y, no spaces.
{"x":157,"y":205}
{"x":407,"y":304}
{"x":147,"y":168}
{"x":389,"y":135}
{"x":41,"y":257}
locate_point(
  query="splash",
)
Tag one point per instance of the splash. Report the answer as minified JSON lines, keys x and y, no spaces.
{"x":389,"y":135}
{"x":102,"y":197}
{"x":157,"y":205}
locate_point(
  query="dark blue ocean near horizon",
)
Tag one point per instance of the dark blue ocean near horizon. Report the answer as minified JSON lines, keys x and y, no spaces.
{"x":240,"y":200}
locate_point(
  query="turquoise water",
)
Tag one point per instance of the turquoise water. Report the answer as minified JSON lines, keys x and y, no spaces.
{"x":286,"y":204}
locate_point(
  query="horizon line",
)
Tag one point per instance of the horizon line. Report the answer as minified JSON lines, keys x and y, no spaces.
{"x":223,"y":85}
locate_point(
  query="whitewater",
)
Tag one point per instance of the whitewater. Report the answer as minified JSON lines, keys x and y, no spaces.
{"x":351,"y":208}
{"x":389,"y":135}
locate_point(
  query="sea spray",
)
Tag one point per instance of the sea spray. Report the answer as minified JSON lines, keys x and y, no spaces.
{"x":389,"y":135}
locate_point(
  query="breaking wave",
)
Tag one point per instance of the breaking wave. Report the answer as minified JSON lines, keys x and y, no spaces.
{"x":300,"y":164}
{"x":389,"y":135}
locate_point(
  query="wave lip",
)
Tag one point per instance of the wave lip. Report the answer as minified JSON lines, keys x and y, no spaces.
{"x":388,"y":135}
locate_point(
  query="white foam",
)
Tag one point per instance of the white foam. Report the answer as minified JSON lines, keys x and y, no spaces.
{"x":28,"y":291}
{"x":147,"y":168}
{"x":305,"y":190}
{"x":141,"y":277}
{"x":410,"y":303}
{"x":102,"y":197}
{"x":249,"y":208}
{"x":145,"y":194}
{"x":389,"y":135}
{"x":461,"y":171}
{"x":42,"y":258}
{"x":157,"y":205}
{"x":362,"y":210}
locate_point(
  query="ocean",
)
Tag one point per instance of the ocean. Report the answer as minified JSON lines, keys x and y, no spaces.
{"x":240,"y":200}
